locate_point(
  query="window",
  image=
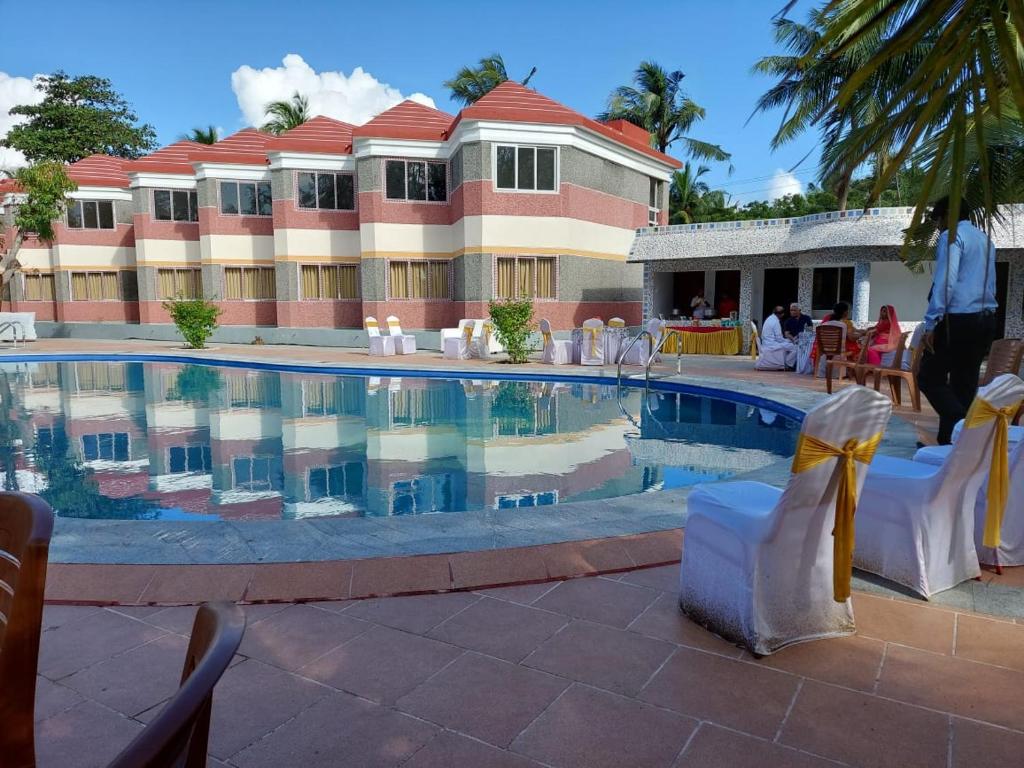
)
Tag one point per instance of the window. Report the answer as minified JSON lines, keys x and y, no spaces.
{"x":432,"y":493}
{"x":91,"y":214}
{"x":39,"y":288}
{"x":526,"y":169}
{"x":254,"y":391}
{"x":106,"y":446}
{"x":511,"y":501}
{"x":418,"y":280}
{"x":831,"y":285}
{"x":100,"y":377}
{"x":249,"y":283}
{"x":179,"y":283}
{"x":526,"y":277}
{"x":330,"y":281}
{"x":343,"y":480}
{"x":246,"y":198}
{"x":331,"y":398}
{"x":189,"y":458}
{"x":94,"y":286}
{"x":416,"y":180}
{"x":330,"y":191}
{"x":50,"y":439}
{"x":421,"y":407}
{"x":257,"y":473}
{"x":653,"y":205}
{"x":175,"y":205}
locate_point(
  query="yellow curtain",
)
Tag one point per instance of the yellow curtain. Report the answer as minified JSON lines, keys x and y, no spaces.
{"x":311,"y":282}
{"x":545,"y":278}
{"x":108,"y":286}
{"x":195,"y":283}
{"x":330,"y":282}
{"x":348,"y":283}
{"x":49,"y":291}
{"x":506,"y":278}
{"x":526,"y":278}
{"x":33,"y":288}
{"x":313,"y":396}
{"x":79,"y":286}
{"x":238,"y":392}
{"x":250,"y":286}
{"x":232,"y":283}
{"x":418,"y":288}
{"x":93,"y":286}
{"x":100,"y":376}
{"x":165,"y":279}
{"x":399,"y":279}
{"x":439,"y":279}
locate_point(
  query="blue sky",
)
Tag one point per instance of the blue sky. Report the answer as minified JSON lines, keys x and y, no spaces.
{"x":174,"y":62}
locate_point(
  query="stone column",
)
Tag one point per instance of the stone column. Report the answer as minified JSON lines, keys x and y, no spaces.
{"x":805,"y":289}
{"x":746,"y":300}
{"x":648,"y":295}
{"x":1014,"y":328}
{"x":861,"y":292}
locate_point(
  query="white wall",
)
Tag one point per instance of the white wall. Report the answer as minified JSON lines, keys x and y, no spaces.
{"x":892,"y":283}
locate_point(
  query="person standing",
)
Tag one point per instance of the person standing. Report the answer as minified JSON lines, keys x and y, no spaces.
{"x":699,"y":305}
{"x":960,"y":322}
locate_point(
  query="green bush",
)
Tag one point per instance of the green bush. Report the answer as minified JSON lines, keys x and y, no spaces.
{"x":195,"y":319}
{"x":197,"y":384}
{"x":513,"y":324}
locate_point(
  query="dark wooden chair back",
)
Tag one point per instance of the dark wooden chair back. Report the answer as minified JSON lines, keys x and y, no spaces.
{"x":178,"y":736}
{"x":1004,"y":356}
{"x":831,"y":339}
{"x":26,"y":524}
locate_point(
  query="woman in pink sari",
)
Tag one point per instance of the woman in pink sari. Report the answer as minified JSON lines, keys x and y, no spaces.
{"x":887,"y":335}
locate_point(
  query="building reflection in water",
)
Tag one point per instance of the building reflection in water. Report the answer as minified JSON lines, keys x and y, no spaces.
{"x":136,"y":441}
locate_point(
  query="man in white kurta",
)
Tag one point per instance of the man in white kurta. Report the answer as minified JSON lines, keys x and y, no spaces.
{"x":777,"y":352}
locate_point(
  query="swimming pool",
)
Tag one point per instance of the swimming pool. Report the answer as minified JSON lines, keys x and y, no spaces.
{"x":112,"y":440}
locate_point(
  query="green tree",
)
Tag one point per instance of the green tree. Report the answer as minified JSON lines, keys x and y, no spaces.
{"x":78,"y":117}
{"x":472,"y":83}
{"x":513,"y":324}
{"x":285,"y":115}
{"x":657,"y":103}
{"x":207,"y":135}
{"x":685,"y":193}
{"x":195,"y":319}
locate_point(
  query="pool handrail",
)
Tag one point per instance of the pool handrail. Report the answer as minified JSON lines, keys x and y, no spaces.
{"x":622,"y":356}
{"x":14,"y":325}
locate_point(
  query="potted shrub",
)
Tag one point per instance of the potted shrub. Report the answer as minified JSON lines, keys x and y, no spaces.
{"x":513,"y":324}
{"x":195,"y":319}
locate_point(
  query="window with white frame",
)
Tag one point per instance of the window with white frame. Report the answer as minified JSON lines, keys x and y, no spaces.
{"x":326,"y":191}
{"x":419,"y":280}
{"x":654,"y":203}
{"x":430,"y":493}
{"x":250,"y":283}
{"x":38,"y":287}
{"x":246,"y":198}
{"x":526,"y":169}
{"x":830,"y":286}
{"x":343,"y":480}
{"x":175,"y":205}
{"x":330,"y":281}
{"x":189,"y":458}
{"x":526,"y":277}
{"x":257,"y":473}
{"x":95,"y":286}
{"x":513,"y":501}
{"x":179,"y":283}
{"x":106,"y":446}
{"x":416,"y":180}
{"x":90,"y":214}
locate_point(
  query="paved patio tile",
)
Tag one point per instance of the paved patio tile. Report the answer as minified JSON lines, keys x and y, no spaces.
{"x":85,"y":736}
{"x":524,"y":594}
{"x":485,"y":698}
{"x":714,"y":747}
{"x":382,"y":664}
{"x":449,"y":750}
{"x":583,"y":557}
{"x":609,"y":658}
{"x":664,"y":578}
{"x":136,"y":680}
{"x":53,"y":698}
{"x":993,"y":642}
{"x":197,"y":583}
{"x":100,"y":583}
{"x":339,"y":730}
{"x":398,"y":575}
{"x":954,"y":685}
{"x":665,"y":621}
{"x":976,"y":745}
{"x":489,"y":568}
{"x":253,"y":699}
{"x":56,"y":615}
{"x":864,"y":730}
{"x":413,"y":614}
{"x":598,"y":599}
{"x":79,"y":644}
{"x":307,"y":581}
{"x":659,"y":547}
{"x":852,"y":662}
{"x":297,"y":635}
{"x":587,"y":728}
{"x":499,"y":628}
{"x":721,"y":690}
{"x":900,"y":621}
{"x":178,"y":619}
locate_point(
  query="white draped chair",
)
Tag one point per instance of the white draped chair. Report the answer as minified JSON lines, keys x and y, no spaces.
{"x":760,"y":564}
{"x":480,"y":345}
{"x":452,"y":333}
{"x":915,"y":524}
{"x":592,"y":344}
{"x":555,"y":351}
{"x":405,"y":343}
{"x":614,"y":339}
{"x":458,"y":347}
{"x":641,"y":351}
{"x":379,"y":345}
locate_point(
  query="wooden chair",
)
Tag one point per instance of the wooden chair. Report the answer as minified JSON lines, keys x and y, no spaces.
{"x":896,"y":375}
{"x":177,"y":737}
{"x":26,"y":524}
{"x":830,"y":339}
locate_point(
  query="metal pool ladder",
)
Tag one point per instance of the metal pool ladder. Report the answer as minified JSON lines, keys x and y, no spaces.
{"x":657,"y":344}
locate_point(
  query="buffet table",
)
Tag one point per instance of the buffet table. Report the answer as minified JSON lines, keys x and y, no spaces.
{"x":704,"y":340}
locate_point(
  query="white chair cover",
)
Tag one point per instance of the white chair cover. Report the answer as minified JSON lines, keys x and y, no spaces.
{"x":379,"y":345}
{"x":481,"y":343}
{"x":592,"y":346}
{"x":451,"y":333}
{"x":458,"y":347}
{"x":555,"y":351}
{"x":757,"y":561}
{"x":641,"y":351}
{"x":614,"y":339}
{"x":915,"y":522}
{"x":405,"y":343}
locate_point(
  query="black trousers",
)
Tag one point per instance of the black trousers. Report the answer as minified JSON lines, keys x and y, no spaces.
{"x":948,"y":376}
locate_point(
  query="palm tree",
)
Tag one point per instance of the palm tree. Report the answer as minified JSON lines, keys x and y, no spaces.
{"x":658,"y":105}
{"x":207,"y":135}
{"x":472,"y":83}
{"x":285,"y":115}
{"x":685,"y":193}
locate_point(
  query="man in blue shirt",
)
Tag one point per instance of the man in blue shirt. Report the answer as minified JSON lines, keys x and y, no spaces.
{"x":796,"y":322}
{"x":960,"y":323}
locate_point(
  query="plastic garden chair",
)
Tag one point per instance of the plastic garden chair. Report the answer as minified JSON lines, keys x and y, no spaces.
{"x":896,"y":375}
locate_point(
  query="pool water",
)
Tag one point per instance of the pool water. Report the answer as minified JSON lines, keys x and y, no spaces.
{"x":143,"y":441}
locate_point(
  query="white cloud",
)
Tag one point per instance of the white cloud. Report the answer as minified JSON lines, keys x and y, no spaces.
{"x":784,"y":183}
{"x":14,"y":91}
{"x":354,"y":98}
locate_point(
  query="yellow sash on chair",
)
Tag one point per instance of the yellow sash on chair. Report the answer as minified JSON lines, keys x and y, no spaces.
{"x":810,"y":452}
{"x":546,"y":335}
{"x":594,"y":333}
{"x":982,"y":412}
{"x":754,"y":342}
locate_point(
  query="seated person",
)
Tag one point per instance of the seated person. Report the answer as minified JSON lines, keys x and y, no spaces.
{"x":796,"y":322}
{"x":887,"y":335}
{"x":726,"y":306}
{"x":777,"y":352}
{"x":841,"y":314}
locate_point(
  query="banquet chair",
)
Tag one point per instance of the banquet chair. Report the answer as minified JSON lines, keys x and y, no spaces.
{"x":458,"y":347}
{"x":379,"y":345}
{"x":178,"y":736}
{"x":592,"y":345}
{"x":641,"y":351}
{"x":26,"y":524}
{"x":450,"y":333}
{"x":480,"y":345}
{"x":755,"y":341}
{"x":613,"y":341}
{"x":555,"y":351}
{"x":915,"y":524}
{"x":761,"y":566}
{"x":405,"y":343}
